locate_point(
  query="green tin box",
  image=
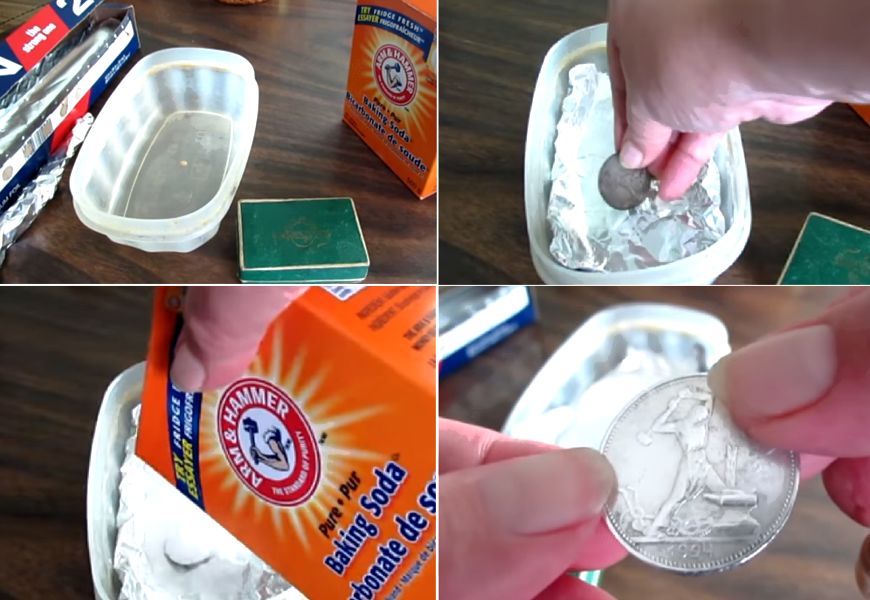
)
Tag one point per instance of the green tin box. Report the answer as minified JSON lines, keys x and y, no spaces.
{"x":310,"y":240}
{"x":828,"y":252}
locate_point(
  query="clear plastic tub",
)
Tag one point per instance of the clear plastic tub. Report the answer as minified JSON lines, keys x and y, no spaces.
{"x":114,"y":423}
{"x":162,"y":163}
{"x":590,"y":45}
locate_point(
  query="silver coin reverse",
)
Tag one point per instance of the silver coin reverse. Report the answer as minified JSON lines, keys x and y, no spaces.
{"x":695,"y":494}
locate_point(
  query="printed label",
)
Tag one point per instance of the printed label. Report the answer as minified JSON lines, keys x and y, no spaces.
{"x":268,"y":442}
{"x":395,"y":74}
{"x":344,"y":292}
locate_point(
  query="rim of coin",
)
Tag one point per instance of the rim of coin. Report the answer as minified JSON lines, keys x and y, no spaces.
{"x":730,"y":561}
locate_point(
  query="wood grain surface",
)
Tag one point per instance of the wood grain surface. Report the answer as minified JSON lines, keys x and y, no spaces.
{"x":490,"y":58}
{"x":812,"y":559}
{"x":300,"y":51}
{"x":59,"y":350}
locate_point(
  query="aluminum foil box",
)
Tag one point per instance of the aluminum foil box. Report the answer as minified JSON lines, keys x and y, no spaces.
{"x":24,"y":55}
{"x":473,"y":320}
{"x":321,"y":457}
{"x":391,"y":100}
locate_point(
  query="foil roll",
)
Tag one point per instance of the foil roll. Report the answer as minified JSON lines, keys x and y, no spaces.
{"x":588,"y":234}
{"x":25,"y":108}
{"x":15,"y":220}
{"x":169,"y":549}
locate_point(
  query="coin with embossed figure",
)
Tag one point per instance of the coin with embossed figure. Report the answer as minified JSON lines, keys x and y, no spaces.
{"x":695,"y":494}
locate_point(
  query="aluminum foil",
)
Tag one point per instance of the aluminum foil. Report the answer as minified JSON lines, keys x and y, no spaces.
{"x":168,"y":549}
{"x":588,"y":234}
{"x":36,"y":194}
{"x":614,"y":356}
{"x":26,"y":107}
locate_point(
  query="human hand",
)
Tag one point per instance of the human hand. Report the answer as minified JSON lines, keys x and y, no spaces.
{"x":222,"y":330}
{"x":515,"y":516}
{"x":808,"y":389}
{"x":683,"y":74}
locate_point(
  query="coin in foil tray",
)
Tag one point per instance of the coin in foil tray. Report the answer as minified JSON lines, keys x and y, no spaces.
{"x":590,"y":234}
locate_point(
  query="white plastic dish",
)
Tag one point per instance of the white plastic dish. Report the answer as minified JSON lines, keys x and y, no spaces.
{"x":590,"y":45}
{"x":164,"y":158}
{"x":114,"y":423}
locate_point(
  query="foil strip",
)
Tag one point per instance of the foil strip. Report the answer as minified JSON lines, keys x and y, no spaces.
{"x":169,"y":549}
{"x":588,"y":234}
{"x":15,"y":220}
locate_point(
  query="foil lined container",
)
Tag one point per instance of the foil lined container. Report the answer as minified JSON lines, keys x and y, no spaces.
{"x":642,"y":260}
{"x":146,"y":540}
{"x":590,"y":235}
{"x":613,"y":357}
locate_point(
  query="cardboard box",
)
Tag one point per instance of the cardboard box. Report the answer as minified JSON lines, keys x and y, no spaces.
{"x":392,"y":88}
{"x":28,"y":56}
{"x":321,"y":458}
{"x":472,"y":320}
{"x":863,"y":111}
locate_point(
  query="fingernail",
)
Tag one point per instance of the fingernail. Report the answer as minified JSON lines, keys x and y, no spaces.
{"x":187,"y":371}
{"x":548,"y":492}
{"x":777,"y":375}
{"x":630,"y":156}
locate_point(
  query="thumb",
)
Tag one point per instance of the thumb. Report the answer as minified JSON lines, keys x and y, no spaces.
{"x":806,"y":389}
{"x":222,"y":330}
{"x":509,"y":529}
{"x":645,"y":139}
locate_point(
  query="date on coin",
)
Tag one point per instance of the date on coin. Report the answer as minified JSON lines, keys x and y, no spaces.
{"x":695,"y":494}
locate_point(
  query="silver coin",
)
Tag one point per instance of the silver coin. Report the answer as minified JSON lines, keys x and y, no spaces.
{"x":695,"y":494}
{"x":624,"y":189}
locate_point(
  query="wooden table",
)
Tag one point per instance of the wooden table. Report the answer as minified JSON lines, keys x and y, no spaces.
{"x":300,"y":51}
{"x":491,"y":55}
{"x":59,"y":350}
{"x":813,"y":558}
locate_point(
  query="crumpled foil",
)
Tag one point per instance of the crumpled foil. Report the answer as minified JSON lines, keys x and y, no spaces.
{"x":15,"y":220}
{"x":588,"y":234}
{"x":169,"y":549}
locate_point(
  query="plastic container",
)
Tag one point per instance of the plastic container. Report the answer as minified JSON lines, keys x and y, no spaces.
{"x":590,"y":45}
{"x":108,"y":449}
{"x":162,"y":163}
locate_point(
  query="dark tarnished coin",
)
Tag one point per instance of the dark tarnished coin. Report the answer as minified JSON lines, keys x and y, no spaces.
{"x":622,"y":188}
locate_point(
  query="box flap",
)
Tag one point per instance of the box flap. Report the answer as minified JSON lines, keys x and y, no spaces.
{"x":35,"y":32}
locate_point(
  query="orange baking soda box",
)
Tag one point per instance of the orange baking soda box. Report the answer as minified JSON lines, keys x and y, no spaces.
{"x":392,"y":87}
{"x":321,"y":457}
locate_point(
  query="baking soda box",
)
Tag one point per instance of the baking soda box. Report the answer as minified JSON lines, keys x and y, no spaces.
{"x":321,"y":457}
{"x":392,"y":87}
